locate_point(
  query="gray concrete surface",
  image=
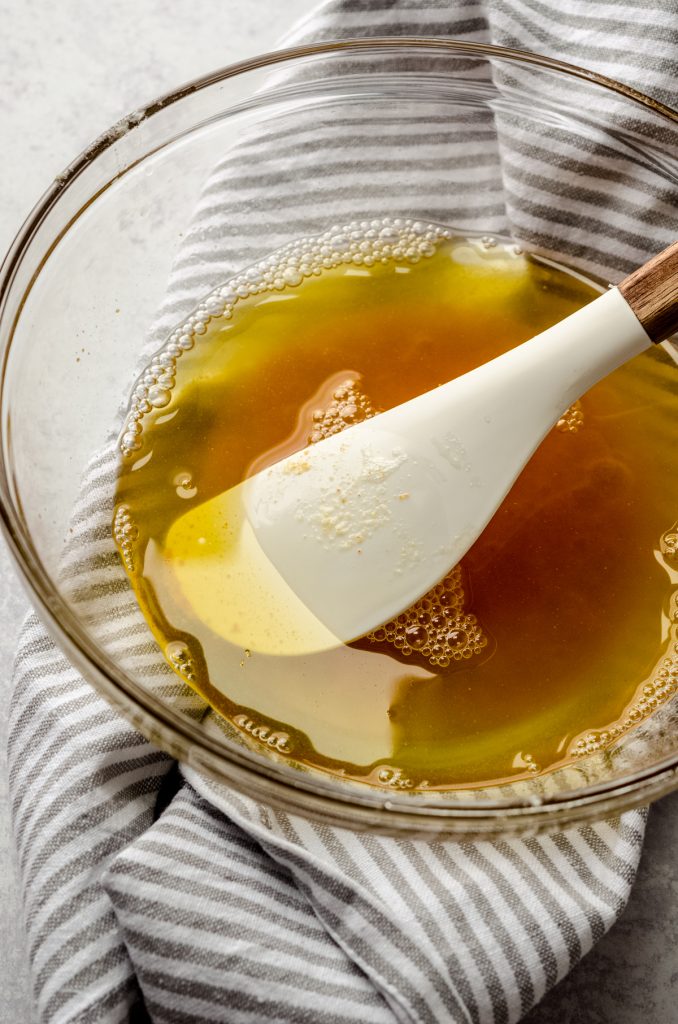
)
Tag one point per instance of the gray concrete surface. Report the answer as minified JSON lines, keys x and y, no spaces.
{"x":68,"y":71}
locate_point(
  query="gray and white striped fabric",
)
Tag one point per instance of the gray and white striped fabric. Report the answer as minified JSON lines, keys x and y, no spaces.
{"x":155,"y":895}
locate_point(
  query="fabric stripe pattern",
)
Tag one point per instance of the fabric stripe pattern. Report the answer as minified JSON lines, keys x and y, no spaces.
{"x":151,"y":895}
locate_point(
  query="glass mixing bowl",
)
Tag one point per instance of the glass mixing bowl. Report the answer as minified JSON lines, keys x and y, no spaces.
{"x":88,"y":271}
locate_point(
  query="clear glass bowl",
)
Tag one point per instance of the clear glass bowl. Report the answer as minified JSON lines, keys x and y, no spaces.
{"x":88,"y":271}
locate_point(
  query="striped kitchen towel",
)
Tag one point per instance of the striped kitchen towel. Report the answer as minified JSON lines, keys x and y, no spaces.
{"x":152,"y":894}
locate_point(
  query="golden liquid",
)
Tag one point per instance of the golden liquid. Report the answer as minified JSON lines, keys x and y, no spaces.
{"x":560,"y":613}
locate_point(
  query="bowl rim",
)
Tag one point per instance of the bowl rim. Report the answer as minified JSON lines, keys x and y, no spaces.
{"x":248,"y":771}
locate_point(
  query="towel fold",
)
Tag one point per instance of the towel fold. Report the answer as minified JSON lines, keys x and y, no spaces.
{"x":156,"y":894}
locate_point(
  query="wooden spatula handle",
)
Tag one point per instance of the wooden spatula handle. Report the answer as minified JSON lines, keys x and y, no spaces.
{"x":652,"y":293}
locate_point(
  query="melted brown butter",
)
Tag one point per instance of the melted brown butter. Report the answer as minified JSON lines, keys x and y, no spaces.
{"x":558,"y":630}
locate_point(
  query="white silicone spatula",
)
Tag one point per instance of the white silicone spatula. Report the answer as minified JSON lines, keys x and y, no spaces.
{"x":362,"y":524}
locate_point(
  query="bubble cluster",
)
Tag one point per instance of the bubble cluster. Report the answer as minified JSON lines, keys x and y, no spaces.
{"x":436,"y":627}
{"x":660,"y":689}
{"x":662,"y":684}
{"x":527,"y":763}
{"x":279,"y":741}
{"x":391,"y":777}
{"x":668,"y":545}
{"x":181,"y":660}
{"x":572,"y":419}
{"x":361,"y":243}
{"x":348,"y":406}
{"x":125,"y":533}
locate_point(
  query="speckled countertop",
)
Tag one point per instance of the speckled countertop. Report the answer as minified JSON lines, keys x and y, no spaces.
{"x":68,"y":71}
